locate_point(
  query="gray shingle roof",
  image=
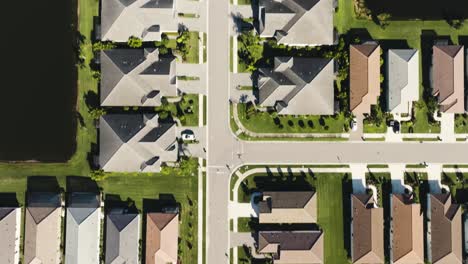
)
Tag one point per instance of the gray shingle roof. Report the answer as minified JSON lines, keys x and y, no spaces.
{"x":136,"y":77}
{"x":121,"y":19}
{"x":82,"y":228}
{"x":403,"y":79}
{"x":136,"y":142}
{"x":298,"y":86}
{"x":122,"y":236}
{"x":297,"y":22}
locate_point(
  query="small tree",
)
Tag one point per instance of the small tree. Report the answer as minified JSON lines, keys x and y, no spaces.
{"x":98,"y":175}
{"x":250,"y":49}
{"x":383,"y":19}
{"x":106,"y":45}
{"x":97,"y":113}
{"x":134,"y":42}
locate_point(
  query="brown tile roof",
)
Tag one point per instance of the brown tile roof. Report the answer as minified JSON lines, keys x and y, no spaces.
{"x":364,"y":77}
{"x":367,"y":230}
{"x":407,"y":231}
{"x":288,"y":207}
{"x":446,"y":230}
{"x":448,"y":78}
{"x":298,"y":247}
{"x":162,"y":233}
{"x":42,"y":228}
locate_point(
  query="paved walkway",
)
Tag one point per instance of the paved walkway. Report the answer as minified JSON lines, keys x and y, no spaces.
{"x":447,"y":126}
{"x":237,"y":210}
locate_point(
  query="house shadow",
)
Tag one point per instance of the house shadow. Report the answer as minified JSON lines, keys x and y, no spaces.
{"x":347,"y":189}
{"x":8,"y":200}
{"x":43,"y":184}
{"x":115,"y":202}
{"x":164,"y":203}
{"x":81,"y":184}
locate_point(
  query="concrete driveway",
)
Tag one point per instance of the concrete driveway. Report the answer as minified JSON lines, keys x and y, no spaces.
{"x":197,"y":149}
{"x":358,"y":175}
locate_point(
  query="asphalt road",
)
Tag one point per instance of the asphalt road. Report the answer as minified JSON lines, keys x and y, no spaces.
{"x":225,"y":152}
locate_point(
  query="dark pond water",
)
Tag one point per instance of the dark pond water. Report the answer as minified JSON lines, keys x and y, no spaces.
{"x":38,"y":84}
{"x":422,"y":9}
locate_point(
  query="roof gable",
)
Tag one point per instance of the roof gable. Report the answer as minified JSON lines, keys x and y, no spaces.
{"x":5,"y":211}
{"x":42,"y":204}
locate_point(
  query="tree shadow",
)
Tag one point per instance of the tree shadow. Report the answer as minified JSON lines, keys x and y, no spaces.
{"x":92,"y":100}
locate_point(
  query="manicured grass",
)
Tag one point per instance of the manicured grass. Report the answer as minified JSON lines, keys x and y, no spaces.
{"x":245,"y":257}
{"x":205,"y":40}
{"x":244,"y":2}
{"x":420,"y":139}
{"x":188,"y":15}
{"x":193,"y":44}
{"x":232,"y":122}
{"x":331,"y":213}
{"x":461,"y":123}
{"x":421,"y":123}
{"x":136,"y":187}
{"x":383,"y":184}
{"x":231,"y":57}
{"x":264,"y":122}
{"x":243,"y":224}
{"x":373,"y":128}
{"x":186,"y":110}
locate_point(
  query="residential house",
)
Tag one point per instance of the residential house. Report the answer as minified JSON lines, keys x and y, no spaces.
{"x":297,"y":22}
{"x":10,"y":226}
{"x":136,"y":77}
{"x":162,"y":235}
{"x":42,"y":231}
{"x":288,"y":207}
{"x":445,"y":229}
{"x":298,"y":86}
{"x":407,"y":234}
{"x":448,"y":79}
{"x":295,"y":247}
{"x":122,"y":237}
{"x":402,"y":80}
{"x":145,"y":19}
{"x":83,"y":228}
{"x":364,"y":77}
{"x":367,"y":238}
{"x":136,"y":142}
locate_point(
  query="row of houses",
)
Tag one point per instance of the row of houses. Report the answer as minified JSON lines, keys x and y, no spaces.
{"x":290,"y":246}
{"x":43,"y":237}
{"x":305,"y":86}
{"x":407,"y":230}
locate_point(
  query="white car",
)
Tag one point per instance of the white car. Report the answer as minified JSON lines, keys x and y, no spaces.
{"x":188,"y":136}
{"x":354,"y":125}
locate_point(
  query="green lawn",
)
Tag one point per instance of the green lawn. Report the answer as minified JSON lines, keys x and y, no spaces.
{"x":373,"y":128}
{"x":461,"y":123}
{"x":245,"y":257}
{"x":193,"y":44}
{"x":263,"y":122}
{"x":186,"y":110}
{"x":243,"y":224}
{"x":130,"y":186}
{"x":421,"y":123}
{"x":332,"y":190}
{"x":244,"y":2}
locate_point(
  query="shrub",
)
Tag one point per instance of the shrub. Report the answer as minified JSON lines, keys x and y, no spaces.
{"x":301,"y":123}
{"x":290,"y":123}
{"x":311,"y":123}
{"x":134,"y":42}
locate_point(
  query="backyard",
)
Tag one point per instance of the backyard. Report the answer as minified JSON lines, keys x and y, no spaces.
{"x":182,"y":185}
{"x":186,"y":110}
{"x":333,"y":191}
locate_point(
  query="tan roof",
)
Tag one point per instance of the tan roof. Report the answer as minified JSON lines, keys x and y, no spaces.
{"x":295,"y":247}
{"x":42,"y":239}
{"x":288,"y":207}
{"x":407,"y":231}
{"x":364,"y":77}
{"x":367,"y":245}
{"x":162,"y":237}
{"x":448,"y":78}
{"x":446,"y":230}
